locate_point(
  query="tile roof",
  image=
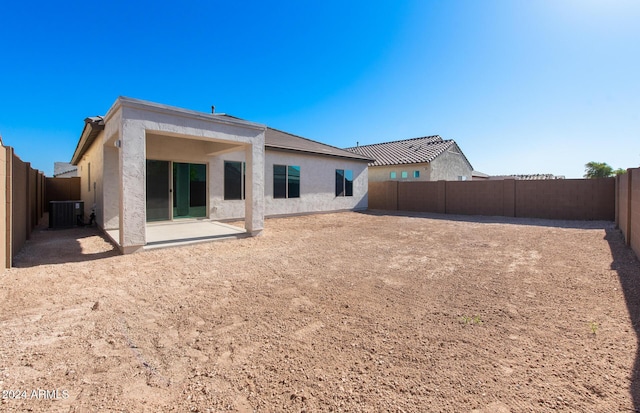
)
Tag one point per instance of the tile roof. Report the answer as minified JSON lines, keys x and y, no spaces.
{"x":279,"y":140}
{"x":416,"y":150}
{"x":529,"y":177}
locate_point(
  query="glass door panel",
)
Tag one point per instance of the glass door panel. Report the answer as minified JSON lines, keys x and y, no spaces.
{"x":189,"y":190}
{"x":158,"y":201}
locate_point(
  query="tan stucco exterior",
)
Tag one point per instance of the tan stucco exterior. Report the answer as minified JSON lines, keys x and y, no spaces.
{"x":317,"y":185}
{"x":113,"y":168}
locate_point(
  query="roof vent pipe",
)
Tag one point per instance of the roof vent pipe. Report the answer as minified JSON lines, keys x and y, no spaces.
{"x":213,"y":109}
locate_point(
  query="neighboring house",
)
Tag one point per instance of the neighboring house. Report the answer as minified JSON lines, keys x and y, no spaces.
{"x":430,"y":158}
{"x":64,"y":170}
{"x":146,"y":162}
{"x":479,"y":176}
{"x":530,"y":177}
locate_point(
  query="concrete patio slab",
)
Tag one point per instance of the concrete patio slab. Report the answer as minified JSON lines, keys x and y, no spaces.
{"x":184,"y":232}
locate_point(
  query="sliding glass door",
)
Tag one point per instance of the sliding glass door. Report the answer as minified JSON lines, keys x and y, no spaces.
{"x":189,"y":190}
{"x":176,"y":190}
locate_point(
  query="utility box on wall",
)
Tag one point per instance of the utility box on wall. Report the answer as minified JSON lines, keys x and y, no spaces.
{"x":65,"y":214}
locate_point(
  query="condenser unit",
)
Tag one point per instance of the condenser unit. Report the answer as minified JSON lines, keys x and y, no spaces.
{"x":65,"y":214}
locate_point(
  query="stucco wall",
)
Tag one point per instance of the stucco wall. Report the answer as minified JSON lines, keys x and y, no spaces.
{"x":450,"y":165}
{"x":90,"y":170}
{"x":382,"y":173}
{"x":317,"y":185}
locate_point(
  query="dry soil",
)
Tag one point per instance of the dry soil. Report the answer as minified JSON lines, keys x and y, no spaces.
{"x":357,"y":312}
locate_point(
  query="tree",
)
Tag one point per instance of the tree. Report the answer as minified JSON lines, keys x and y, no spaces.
{"x":619,"y":171}
{"x":597,"y":170}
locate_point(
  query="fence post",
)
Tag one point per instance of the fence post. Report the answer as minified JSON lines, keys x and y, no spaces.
{"x":9,"y":206}
{"x":616,"y":207}
{"x":509,"y":197}
{"x":629,"y":214}
{"x":442,"y":197}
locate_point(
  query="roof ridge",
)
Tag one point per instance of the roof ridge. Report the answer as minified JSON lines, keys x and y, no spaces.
{"x":398,"y":141}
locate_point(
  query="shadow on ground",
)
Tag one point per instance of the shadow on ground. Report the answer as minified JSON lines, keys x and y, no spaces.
{"x":626,"y":264}
{"x":481,"y":219}
{"x":63,"y":246}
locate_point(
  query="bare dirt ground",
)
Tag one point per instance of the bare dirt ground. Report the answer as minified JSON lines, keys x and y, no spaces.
{"x":340,"y":312}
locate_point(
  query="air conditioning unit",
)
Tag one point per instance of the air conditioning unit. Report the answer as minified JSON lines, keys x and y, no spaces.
{"x":65,"y":214}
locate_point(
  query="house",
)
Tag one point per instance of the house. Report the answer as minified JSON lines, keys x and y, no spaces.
{"x":528,"y":177}
{"x":145,"y":162}
{"x":429,"y":158}
{"x":64,"y":170}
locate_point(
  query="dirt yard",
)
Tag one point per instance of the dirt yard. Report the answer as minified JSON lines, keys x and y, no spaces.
{"x":341,"y":312}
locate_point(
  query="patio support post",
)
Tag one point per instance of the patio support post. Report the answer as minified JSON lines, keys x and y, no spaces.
{"x":254,"y":184}
{"x":132,"y":187}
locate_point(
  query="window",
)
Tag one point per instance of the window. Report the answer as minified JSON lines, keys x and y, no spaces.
{"x":286,"y":181}
{"x":416,"y":174}
{"x":392,"y":175}
{"x":405,"y":175}
{"x":344,"y":182}
{"x":234,"y":175}
{"x":89,"y":177}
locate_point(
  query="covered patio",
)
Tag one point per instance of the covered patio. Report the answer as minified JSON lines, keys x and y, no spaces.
{"x":184,"y":232}
{"x":152,"y":174}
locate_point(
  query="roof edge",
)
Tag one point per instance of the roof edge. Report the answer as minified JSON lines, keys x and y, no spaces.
{"x":128,"y":102}
{"x":399,"y":140}
{"x":358,"y":156}
{"x":92,"y":128}
{"x":310,"y":152}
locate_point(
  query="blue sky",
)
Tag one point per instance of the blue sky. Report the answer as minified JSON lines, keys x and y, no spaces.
{"x":540,"y":86}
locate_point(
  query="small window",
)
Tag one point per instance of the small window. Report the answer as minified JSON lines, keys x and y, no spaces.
{"x":344,"y":182}
{"x":392,"y":175}
{"x":405,"y":174}
{"x":234,"y":175}
{"x":89,"y":177}
{"x":293,"y":182}
{"x":286,"y":181}
{"x":416,"y":174}
{"x":462,"y":178}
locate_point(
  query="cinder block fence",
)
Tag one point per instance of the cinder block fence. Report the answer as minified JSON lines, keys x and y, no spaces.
{"x":628,"y":207}
{"x":572,"y":199}
{"x":24,"y":195}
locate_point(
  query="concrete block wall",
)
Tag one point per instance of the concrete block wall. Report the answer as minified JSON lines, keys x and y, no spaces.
{"x":634,"y":236}
{"x":578,"y":199}
{"x":61,"y":189}
{"x":628,"y":207}
{"x":22,"y":197}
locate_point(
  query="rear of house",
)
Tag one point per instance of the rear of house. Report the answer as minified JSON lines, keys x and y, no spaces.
{"x":146,"y":162}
